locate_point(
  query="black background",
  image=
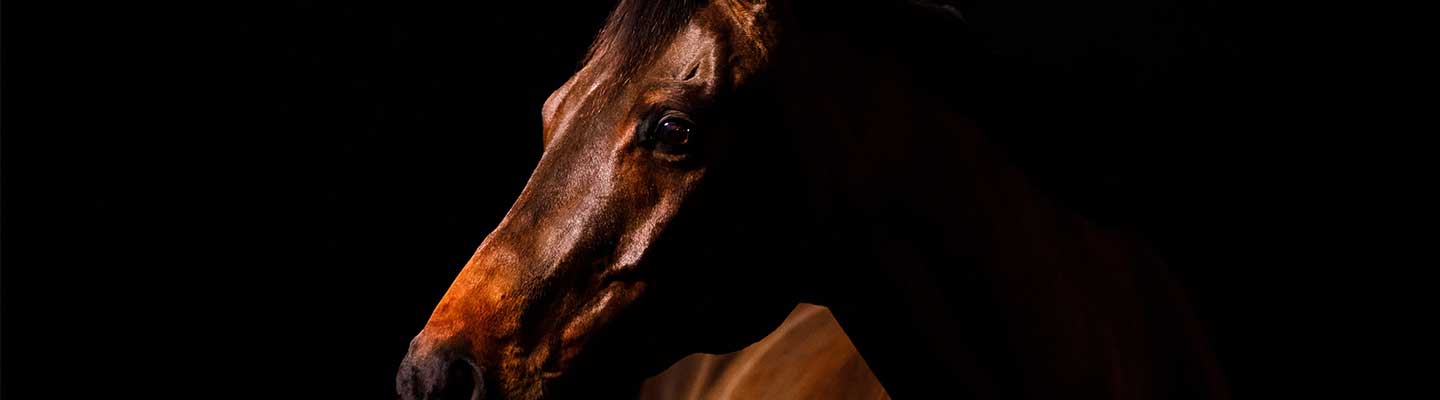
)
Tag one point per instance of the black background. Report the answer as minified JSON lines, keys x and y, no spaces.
{"x":268,"y":199}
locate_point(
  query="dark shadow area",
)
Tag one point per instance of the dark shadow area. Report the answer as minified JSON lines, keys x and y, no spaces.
{"x":268,"y":200}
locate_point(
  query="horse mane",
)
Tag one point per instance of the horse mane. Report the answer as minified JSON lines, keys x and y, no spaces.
{"x":636,"y":30}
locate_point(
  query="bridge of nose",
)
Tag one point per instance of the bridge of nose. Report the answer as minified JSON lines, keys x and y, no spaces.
{"x":482,"y":303}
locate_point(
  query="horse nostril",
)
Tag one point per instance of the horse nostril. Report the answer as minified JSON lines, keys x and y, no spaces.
{"x":436,"y":377}
{"x":460,"y":383}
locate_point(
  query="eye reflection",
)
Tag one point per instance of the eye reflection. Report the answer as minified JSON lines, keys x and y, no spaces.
{"x":675,"y":131}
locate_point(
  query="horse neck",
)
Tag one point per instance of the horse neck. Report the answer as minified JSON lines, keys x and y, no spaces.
{"x":901,"y":156}
{"x":913,"y":192}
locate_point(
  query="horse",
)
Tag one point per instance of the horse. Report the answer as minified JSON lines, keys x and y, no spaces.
{"x":713,"y":163}
{"x":807,"y":357}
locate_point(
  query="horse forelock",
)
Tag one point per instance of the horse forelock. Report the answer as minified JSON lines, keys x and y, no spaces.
{"x":638,"y":30}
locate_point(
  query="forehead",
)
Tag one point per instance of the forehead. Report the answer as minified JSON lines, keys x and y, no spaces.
{"x":612,"y":78}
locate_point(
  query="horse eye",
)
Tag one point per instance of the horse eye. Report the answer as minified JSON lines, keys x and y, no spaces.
{"x":675,"y":131}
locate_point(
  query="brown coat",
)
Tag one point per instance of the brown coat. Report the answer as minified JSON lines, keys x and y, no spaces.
{"x":807,"y":357}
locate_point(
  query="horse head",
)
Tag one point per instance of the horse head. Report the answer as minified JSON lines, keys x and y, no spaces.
{"x":607,"y":260}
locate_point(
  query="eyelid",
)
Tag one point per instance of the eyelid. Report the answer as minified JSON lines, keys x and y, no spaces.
{"x":673,"y":114}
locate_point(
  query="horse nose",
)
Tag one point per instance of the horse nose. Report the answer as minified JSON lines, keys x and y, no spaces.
{"x":439,"y":375}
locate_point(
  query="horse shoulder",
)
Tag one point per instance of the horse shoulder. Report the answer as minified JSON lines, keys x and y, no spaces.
{"x":807,"y":357}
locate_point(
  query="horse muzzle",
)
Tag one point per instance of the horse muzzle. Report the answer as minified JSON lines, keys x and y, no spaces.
{"x":442,"y":372}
